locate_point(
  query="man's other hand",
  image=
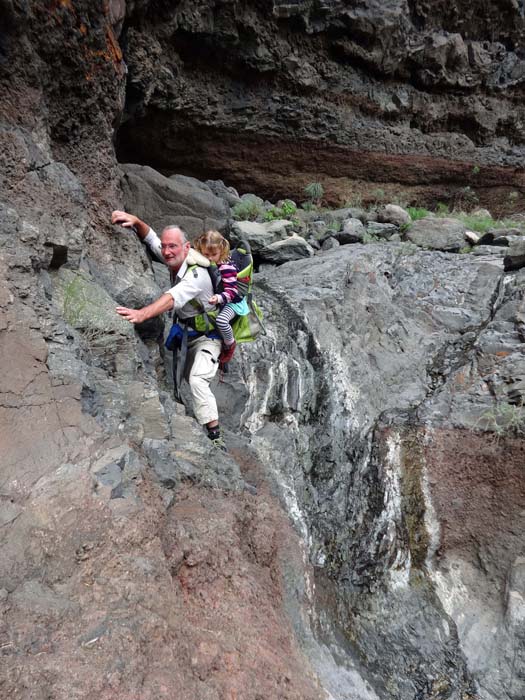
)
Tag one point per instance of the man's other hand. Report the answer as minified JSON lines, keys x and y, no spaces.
{"x":131,"y":315}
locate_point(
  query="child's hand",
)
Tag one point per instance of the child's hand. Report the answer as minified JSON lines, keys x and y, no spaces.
{"x":214,"y":299}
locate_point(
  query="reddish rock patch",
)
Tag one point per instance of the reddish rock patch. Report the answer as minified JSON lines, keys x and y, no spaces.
{"x":478,"y":490}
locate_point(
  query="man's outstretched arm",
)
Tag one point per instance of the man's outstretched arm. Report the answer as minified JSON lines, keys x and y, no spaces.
{"x":162,"y":304}
{"x":130,"y":221}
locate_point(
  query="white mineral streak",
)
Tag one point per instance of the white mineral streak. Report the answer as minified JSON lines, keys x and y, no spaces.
{"x":400,"y":570}
{"x":430,"y":517}
{"x":338,"y":681}
{"x":257,"y":408}
{"x":344,"y":394}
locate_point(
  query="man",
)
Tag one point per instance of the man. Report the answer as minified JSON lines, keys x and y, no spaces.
{"x":189,"y":287}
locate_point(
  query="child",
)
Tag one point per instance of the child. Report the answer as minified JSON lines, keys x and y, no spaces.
{"x":217,"y":249}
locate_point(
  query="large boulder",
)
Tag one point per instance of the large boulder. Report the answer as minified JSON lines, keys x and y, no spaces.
{"x":353,"y":232}
{"x":393,"y":214}
{"x":293,"y":248}
{"x":229,"y":194}
{"x":438,"y":234}
{"x":260,"y":235}
{"x":161,"y":201}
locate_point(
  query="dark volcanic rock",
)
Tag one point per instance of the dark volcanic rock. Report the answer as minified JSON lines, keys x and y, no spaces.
{"x":423,"y":99}
{"x":179,"y":200}
{"x":384,"y":406}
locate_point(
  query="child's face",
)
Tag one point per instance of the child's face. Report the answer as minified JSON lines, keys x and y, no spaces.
{"x":213,"y":253}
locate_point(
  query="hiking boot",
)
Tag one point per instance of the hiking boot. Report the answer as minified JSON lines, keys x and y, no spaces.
{"x":216,"y":438}
{"x":219,"y":443}
{"x":227,"y":353}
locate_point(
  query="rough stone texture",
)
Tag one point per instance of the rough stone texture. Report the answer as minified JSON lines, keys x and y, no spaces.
{"x":330,"y":243}
{"x":397,"y":379}
{"x":515,"y":258}
{"x":260,"y":236}
{"x":382,"y":230}
{"x":393,"y":214}
{"x":106,"y":589}
{"x":384,"y":407}
{"x":292,"y":248}
{"x":421,"y":99}
{"x":438,"y":234}
{"x":180,"y":200}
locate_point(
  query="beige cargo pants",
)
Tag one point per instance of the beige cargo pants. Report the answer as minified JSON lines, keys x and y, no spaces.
{"x":201,"y":367}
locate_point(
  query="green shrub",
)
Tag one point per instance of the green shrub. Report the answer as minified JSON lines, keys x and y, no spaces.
{"x":287,"y":210}
{"x":315,"y":192}
{"x":417,"y":213}
{"x":442,"y":209}
{"x":308,"y":206}
{"x":272,"y":214}
{"x":481,"y":224}
{"x":247,"y":210}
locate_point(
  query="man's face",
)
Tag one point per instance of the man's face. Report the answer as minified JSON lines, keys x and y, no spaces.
{"x":174,"y":250}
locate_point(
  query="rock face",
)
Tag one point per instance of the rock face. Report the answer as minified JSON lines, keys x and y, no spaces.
{"x":382,"y":402}
{"x":384,"y":407}
{"x":424,"y":99}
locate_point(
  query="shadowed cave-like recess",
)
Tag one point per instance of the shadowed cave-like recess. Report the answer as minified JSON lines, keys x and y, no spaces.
{"x":419,"y":101}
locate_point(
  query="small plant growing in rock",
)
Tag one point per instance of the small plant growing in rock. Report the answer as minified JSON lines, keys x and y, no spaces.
{"x":378,"y":195}
{"x":315,"y":192}
{"x":416,"y":213}
{"x":504,"y":420}
{"x":334,"y":226}
{"x":478,"y":223}
{"x":247,"y":211}
{"x":272,"y":214}
{"x":465,"y":198}
{"x":287,"y":210}
{"x":308,"y":206}
{"x":442,"y":209}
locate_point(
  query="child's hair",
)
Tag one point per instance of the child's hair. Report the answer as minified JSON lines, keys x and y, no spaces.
{"x":214,"y":240}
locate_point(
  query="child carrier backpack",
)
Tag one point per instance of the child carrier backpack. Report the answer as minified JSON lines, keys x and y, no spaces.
{"x":245,"y":328}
